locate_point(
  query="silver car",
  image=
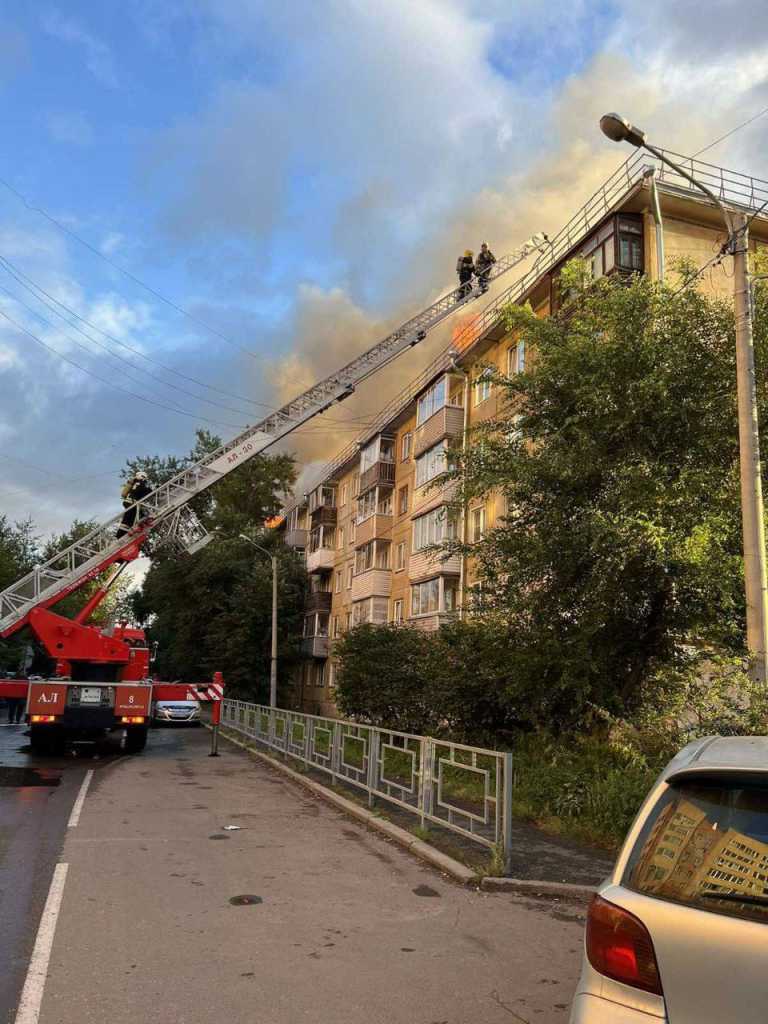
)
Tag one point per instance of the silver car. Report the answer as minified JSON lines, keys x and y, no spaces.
{"x":679,"y":932}
{"x":181,"y":712}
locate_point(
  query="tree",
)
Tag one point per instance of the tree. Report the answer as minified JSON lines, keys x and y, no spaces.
{"x":19,"y":553}
{"x":617,"y":456}
{"x":212,"y":610}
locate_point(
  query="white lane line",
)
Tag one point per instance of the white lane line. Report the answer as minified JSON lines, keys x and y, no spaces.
{"x":34,"y":985}
{"x":74,"y":817}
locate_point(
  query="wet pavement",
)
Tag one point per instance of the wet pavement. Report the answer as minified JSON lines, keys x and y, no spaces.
{"x":298,"y":913}
{"x":36,"y":799}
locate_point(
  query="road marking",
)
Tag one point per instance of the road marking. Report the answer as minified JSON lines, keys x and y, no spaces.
{"x":74,"y":817}
{"x":34,"y":984}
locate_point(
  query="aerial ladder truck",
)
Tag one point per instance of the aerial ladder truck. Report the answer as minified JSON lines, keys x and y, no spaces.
{"x":102,"y":679}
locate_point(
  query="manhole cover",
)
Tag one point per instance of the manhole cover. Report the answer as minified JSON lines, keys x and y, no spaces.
{"x":245,"y":901}
{"x":28,"y":776}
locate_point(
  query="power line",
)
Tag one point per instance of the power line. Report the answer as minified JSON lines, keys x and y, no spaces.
{"x":110,"y":384}
{"x":97,"y":252}
{"x":34,"y":287}
{"x":731,"y":132}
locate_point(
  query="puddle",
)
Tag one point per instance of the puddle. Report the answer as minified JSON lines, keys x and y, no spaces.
{"x":245,"y":901}
{"x":20,"y":777}
{"x":218,"y":835}
{"x":425,"y":890}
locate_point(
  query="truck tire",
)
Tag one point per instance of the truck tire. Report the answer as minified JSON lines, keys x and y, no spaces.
{"x":44,"y":740}
{"x":135,"y":739}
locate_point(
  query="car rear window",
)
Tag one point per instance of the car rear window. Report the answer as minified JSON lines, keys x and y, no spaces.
{"x":705,"y":845}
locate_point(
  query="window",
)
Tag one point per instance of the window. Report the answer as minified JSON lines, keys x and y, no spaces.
{"x":350,"y":574}
{"x":706,"y":836}
{"x":397,"y":612}
{"x":433,"y":528}
{"x":630,"y":244}
{"x":450,"y":595}
{"x":340,"y":538}
{"x":343,"y":495}
{"x":431,"y":401}
{"x":364,"y":558}
{"x":331,"y":673}
{"x":384,"y":508}
{"x":405,"y":447}
{"x":483,"y":387}
{"x":335,"y":632}
{"x":477,"y":524}
{"x":432,"y":463}
{"x":400,"y":556}
{"x":338,"y":581}
{"x":366,"y":504}
{"x":355,"y":485}
{"x":348,"y":622}
{"x":352,"y":530}
{"x":425,"y":597}
{"x":361,"y":612}
{"x":402,"y":500}
{"x":322,"y":537}
{"x":382,"y":555}
{"x":386,"y":449}
{"x":516,"y":358}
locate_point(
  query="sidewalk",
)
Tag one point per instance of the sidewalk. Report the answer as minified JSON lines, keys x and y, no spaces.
{"x":345,"y":927}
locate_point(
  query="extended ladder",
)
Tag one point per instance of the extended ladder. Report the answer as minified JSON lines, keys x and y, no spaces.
{"x":167,"y":508}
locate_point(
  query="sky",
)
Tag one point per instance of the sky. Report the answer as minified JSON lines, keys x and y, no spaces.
{"x":207,"y":205}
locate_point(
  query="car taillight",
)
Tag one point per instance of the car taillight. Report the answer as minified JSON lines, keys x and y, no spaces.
{"x":619,"y":946}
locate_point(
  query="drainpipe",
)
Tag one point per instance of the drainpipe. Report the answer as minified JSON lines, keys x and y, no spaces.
{"x":463,"y":517}
{"x":650,"y":174}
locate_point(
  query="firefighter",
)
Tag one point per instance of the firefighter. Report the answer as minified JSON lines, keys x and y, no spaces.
{"x":16,"y":707}
{"x":465,"y":268}
{"x":483,"y":264}
{"x":135,"y":488}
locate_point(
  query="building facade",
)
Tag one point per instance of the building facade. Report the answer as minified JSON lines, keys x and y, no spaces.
{"x":369,"y":525}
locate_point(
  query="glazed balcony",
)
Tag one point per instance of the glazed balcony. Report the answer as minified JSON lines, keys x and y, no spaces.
{"x":372,"y":583}
{"x":381,"y":472}
{"x":318,"y":601}
{"x":315,"y":646}
{"x":320,"y":560}
{"x":446,"y":422}
{"x":374,"y":527}
{"x":424,"y":564}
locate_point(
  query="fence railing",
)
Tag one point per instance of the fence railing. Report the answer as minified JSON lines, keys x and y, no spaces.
{"x":465,"y":789}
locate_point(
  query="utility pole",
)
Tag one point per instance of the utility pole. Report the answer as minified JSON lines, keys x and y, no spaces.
{"x":273,"y":659}
{"x":619,"y":129}
{"x":753,"y":527}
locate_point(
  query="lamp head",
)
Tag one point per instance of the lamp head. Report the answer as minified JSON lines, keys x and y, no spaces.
{"x":619,"y":129}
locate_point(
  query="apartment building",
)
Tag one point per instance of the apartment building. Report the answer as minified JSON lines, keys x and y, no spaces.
{"x":370,"y":522}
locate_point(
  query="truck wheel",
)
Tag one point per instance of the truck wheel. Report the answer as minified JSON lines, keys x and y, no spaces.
{"x":135,"y":739}
{"x":44,"y":740}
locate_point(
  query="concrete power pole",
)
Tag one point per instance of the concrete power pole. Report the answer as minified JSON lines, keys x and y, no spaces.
{"x":756,"y":587}
{"x":273,"y":662}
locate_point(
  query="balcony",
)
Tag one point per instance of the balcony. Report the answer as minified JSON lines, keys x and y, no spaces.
{"x":425,"y":564}
{"x":296,"y":538}
{"x":315,"y":646}
{"x":372,"y":583}
{"x":381,"y":472}
{"x":324,"y":515}
{"x":375,"y":527}
{"x":318,"y":601}
{"x":446,"y":422}
{"x":431,"y":495}
{"x":432,"y":621}
{"x":320,"y":560}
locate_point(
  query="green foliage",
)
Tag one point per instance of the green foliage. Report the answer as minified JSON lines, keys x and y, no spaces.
{"x":617,"y":453}
{"x":212,"y":611}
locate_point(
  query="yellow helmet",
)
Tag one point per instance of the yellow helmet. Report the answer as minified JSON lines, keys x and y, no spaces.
{"x":467,"y":252}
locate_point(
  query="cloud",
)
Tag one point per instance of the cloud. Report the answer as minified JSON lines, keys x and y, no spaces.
{"x":99,"y":59}
{"x":71,"y":127}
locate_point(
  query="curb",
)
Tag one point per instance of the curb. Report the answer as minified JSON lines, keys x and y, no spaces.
{"x":545,"y":890}
{"x":459,"y":872}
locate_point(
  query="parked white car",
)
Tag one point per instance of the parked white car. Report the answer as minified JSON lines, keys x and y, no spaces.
{"x":178,"y":712}
{"x":679,"y":932}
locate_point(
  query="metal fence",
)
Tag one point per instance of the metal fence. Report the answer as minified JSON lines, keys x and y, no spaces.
{"x":465,"y":789}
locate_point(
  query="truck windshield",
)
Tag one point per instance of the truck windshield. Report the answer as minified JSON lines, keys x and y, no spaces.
{"x":705,"y":844}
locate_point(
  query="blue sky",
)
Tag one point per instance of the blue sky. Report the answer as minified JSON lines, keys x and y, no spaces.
{"x":299,"y":177}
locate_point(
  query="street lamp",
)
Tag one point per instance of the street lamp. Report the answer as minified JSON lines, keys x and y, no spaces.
{"x":273,"y":661}
{"x":619,"y":129}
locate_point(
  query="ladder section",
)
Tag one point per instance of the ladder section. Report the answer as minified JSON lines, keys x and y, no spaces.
{"x":71,"y":568}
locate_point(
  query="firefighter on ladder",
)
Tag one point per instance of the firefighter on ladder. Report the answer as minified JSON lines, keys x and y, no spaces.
{"x":483,"y":263}
{"x":135,"y":489}
{"x":465,"y":268}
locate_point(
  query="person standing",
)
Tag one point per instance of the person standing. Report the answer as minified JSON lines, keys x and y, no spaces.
{"x":15,"y":710}
{"x":485,"y":260}
{"x":465,"y":268}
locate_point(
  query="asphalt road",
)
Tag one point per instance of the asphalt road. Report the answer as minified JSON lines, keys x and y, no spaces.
{"x":167,"y":917}
{"x":37,"y":795}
